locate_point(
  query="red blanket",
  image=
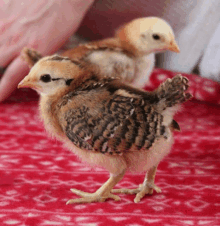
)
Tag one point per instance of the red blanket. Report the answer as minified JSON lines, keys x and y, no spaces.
{"x":36,"y":172}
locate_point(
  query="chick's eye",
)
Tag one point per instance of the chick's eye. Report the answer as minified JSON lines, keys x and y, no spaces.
{"x":45,"y":78}
{"x":156,"y":37}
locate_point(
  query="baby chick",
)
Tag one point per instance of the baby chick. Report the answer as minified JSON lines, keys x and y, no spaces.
{"x":129,"y":54}
{"x":107,"y":123}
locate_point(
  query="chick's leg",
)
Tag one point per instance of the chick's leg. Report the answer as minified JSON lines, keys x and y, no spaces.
{"x":146,"y":188}
{"x":103,"y":193}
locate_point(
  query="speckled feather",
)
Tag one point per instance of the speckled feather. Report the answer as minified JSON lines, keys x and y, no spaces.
{"x":112,"y":118}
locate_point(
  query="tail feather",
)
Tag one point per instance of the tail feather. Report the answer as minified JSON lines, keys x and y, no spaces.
{"x":173,"y":92}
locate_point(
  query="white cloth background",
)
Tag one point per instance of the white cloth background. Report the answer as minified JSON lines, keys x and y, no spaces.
{"x":198,"y":38}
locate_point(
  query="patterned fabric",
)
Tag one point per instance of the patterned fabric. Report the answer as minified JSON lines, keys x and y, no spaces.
{"x":36,"y":172}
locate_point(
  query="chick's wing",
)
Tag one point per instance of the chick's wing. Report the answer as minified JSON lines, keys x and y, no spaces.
{"x":110,"y":123}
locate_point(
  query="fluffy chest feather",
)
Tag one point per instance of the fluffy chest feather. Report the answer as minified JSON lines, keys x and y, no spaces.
{"x":113,"y":63}
{"x":143,"y":67}
{"x":48,"y":115}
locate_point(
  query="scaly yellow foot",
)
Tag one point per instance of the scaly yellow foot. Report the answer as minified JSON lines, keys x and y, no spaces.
{"x":91,"y":197}
{"x":103,"y":193}
{"x":144,"y":189}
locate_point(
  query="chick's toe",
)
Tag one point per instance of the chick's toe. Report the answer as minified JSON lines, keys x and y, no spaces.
{"x":144,"y":189}
{"x":91,"y":197}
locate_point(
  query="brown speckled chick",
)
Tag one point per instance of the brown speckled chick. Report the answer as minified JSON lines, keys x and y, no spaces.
{"x":107,"y":123}
{"x":128,"y":54}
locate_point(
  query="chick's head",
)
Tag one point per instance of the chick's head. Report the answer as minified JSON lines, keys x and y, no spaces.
{"x":148,"y":34}
{"x":51,"y":75}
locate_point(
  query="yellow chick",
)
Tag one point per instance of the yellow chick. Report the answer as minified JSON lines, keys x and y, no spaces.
{"x":128,"y":54}
{"x":107,"y":123}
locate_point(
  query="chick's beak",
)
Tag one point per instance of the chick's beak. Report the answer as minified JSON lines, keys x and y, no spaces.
{"x":26,"y":83}
{"x":174,"y":47}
